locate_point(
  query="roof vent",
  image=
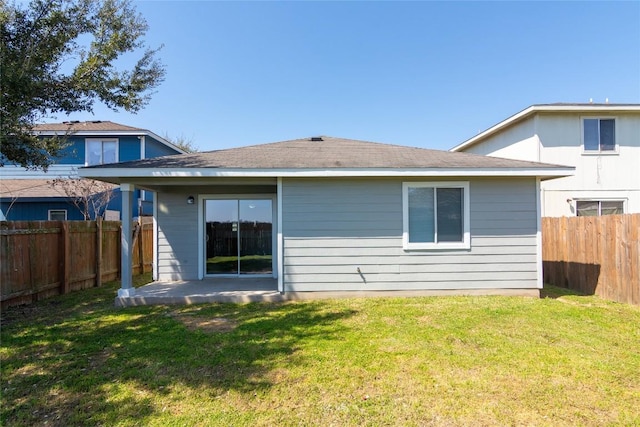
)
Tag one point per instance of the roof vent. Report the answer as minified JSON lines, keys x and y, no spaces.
{"x":96,"y":121}
{"x":316,"y":138}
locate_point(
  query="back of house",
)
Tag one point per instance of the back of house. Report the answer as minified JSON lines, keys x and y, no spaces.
{"x":326,"y":214}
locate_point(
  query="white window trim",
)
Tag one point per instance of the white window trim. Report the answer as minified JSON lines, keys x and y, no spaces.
{"x":600,"y":200}
{"x":599,"y":152}
{"x":466,"y":233}
{"x":86,"y":150}
{"x":50,"y":211}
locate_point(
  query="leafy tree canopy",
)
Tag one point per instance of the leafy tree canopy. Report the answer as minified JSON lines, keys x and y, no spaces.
{"x":61,"y":56}
{"x":182,"y":142}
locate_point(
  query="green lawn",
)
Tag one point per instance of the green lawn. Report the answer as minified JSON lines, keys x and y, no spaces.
{"x":442,"y":361}
{"x":248,"y":264}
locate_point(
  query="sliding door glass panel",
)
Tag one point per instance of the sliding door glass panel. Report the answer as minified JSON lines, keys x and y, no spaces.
{"x":221,"y":236}
{"x":256,"y":226}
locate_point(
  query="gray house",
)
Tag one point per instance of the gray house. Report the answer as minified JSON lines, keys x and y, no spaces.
{"x":332,"y":214}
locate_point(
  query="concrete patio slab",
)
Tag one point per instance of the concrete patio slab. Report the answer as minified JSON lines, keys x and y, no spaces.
{"x":236,"y":290}
{"x":246,"y":290}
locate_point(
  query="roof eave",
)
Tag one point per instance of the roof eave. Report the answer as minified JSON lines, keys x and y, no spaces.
{"x":119,"y":175}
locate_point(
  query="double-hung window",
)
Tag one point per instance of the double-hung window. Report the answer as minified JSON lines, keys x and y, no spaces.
{"x":101,"y":151}
{"x":435,"y":215}
{"x":599,"y":135}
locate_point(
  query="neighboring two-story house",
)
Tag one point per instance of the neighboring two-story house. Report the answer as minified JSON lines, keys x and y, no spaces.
{"x":28,"y":195}
{"x":602,"y":141}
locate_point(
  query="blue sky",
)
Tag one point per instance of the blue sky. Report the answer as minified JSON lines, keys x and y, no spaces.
{"x":425,"y":74}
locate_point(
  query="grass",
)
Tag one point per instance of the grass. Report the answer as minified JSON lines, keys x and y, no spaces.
{"x":248,"y":264}
{"x":561,"y":360}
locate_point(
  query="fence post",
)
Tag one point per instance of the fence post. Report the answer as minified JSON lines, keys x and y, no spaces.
{"x":65,"y":257}
{"x":98,"y":281}
{"x":32,"y":260}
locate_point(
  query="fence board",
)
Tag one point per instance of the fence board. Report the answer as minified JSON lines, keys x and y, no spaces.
{"x":39,"y":259}
{"x":594,"y":255}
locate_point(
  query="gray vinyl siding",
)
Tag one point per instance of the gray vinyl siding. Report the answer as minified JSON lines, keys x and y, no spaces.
{"x":332,"y":227}
{"x":177,"y":237}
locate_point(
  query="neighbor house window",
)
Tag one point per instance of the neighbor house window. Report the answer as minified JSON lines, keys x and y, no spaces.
{"x":599,"y":207}
{"x":57,"y":214}
{"x":101,"y":151}
{"x":599,"y":135}
{"x":436,"y":215}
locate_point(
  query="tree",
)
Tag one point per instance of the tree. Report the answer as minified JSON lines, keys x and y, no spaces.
{"x":89,"y":196}
{"x":61,"y":56}
{"x":182,"y":142}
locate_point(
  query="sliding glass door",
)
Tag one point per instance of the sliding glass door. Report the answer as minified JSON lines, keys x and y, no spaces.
{"x":239,"y":236}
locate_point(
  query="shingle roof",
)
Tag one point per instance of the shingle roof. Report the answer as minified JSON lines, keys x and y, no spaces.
{"x":100,"y":128}
{"x":76,"y":126}
{"x":28,"y":188}
{"x":328,"y":153}
{"x":14,"y":188}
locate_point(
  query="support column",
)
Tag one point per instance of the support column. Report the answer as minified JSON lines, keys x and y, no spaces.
{"x":280,"y":238}
{"x":126,"y":239}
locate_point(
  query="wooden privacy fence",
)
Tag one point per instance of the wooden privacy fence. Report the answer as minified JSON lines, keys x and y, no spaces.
{"x":594,"y":255}
{"x":39,"y":259}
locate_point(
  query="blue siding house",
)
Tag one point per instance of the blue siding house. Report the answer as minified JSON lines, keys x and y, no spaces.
{"x":27,"y":195}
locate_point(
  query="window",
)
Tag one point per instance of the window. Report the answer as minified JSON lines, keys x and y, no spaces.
{"x":599,"y":207}
{"x":57,"y":214}
{"x":436,"y":215}
{"x":599,"y":135}
{"x":101,"y":151}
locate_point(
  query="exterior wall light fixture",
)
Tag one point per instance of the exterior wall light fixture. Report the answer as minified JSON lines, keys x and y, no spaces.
{"x":191,"y":200}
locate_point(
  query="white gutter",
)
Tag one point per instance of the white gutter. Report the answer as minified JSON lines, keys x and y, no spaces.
{"x":316,"y":173}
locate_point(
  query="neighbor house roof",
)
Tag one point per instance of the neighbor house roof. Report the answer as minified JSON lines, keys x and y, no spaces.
{"x":321,"y":156}
{"x":19,"y":188}
{"x":548,"y":108}
{"x":78,"y":126}
{"x":29,"y":188}
{"x":97,"y":127}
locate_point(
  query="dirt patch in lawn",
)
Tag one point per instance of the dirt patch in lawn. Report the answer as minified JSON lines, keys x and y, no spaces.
{"x":209,"y":325}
